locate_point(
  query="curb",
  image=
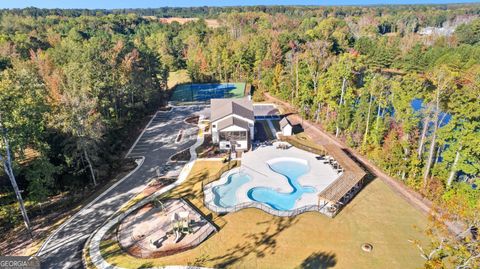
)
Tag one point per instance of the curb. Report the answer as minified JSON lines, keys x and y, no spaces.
{"x":141,"y":134}
{"x":93,"y":241}
{"x":139,"y":162}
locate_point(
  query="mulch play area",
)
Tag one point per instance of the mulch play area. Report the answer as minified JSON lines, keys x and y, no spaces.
{"x":162,"y":228}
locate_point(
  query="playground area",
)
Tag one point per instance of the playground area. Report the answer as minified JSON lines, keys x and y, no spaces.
{"x":163,"y":228}
{"x":252,"y":238}
{"x":207,"y":91}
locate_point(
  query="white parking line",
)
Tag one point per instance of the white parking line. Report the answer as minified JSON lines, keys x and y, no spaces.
{"x":143,"y":131}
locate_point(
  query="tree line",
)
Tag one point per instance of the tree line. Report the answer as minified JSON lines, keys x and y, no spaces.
{"x":70,"y":92}
{"x":408,"y":101}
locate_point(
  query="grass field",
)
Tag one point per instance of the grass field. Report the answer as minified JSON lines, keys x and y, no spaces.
{"x":178,"y":77}
{"x":198,"y":92}
{"x":251,"y":238}
{"x":212,"y":23}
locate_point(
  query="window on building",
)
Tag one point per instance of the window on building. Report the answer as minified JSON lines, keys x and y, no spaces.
{"x":233,"y":136}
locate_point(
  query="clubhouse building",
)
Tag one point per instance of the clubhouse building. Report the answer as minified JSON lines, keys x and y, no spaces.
{"x":232,"y":123}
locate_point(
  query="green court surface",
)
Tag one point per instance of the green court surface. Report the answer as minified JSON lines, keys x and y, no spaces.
{"x":207,"y":91}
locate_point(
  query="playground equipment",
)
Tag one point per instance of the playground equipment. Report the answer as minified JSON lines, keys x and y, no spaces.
{"x":180,"y":224}
{"x":158,"y":204}
{"x":177,"y":236}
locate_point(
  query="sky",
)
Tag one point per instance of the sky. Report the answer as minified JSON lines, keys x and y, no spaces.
{"x":111,"y":4}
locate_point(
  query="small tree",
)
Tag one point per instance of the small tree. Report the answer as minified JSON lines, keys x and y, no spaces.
{"x":450,"y":247}
{"x":22,"y":99}
{"x":7,"y":165}
{"x":443,"y":80}
{"x":78,"y":117}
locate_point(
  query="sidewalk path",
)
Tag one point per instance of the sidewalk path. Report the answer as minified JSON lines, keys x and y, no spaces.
{"x":95,"y":239}
{"x":153,"y":148}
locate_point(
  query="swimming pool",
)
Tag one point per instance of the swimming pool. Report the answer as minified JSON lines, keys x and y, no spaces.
{"x":291,"y":169}
{"x":226,"y":194}
{"x":287,"y":169}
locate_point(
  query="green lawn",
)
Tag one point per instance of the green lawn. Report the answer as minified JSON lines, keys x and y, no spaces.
{"x":251,"y":238}
{"x":178,"y":77}
{"x":189,"y":92}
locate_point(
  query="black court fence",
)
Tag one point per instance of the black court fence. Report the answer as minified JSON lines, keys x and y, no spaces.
{"x":204,"y":92}
{"x":201,"y":92}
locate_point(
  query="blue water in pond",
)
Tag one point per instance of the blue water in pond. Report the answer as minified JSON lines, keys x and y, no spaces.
{"x":417,"y":105}
{"x":278,"y":200}
{"x":225,"y":194}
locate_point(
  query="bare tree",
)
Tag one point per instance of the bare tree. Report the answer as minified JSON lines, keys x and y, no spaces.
{"x":7,"y":166}
{"x":316,"y":57}
{"x":340,"y":103}
{"x":368,"y":119}
{"x":442,"y":80}
{"x":453,"y":170}
{"x":428,"y":256}
{"x":426,"y":122}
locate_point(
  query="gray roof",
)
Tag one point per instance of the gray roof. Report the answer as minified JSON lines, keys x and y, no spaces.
{"x":265,"y":110}
{"x":284,"y":122}
{"x":221,"y":108}
{"x":230,"y":121}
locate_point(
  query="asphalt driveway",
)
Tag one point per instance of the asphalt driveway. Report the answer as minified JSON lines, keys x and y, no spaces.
{"x":156,"y":144}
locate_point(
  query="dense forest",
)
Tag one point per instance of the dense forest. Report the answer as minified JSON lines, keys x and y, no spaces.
{"x":73,"y":81}
{"x":441,"y":13}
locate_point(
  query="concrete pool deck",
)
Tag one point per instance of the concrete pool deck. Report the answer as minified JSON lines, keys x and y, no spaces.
{"x":255,"y":164}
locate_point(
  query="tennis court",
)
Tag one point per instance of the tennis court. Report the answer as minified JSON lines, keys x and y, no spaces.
{"x":207,"y":91}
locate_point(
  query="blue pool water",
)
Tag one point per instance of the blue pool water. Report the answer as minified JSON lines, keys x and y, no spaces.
{"x":225,"y":194}
{"x":292,"y":170}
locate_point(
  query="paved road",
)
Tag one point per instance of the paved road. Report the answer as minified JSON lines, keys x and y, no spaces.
{"x":156,"y":144}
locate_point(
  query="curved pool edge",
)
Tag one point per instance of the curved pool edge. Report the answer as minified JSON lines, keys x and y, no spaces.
{"x":226,"y":194}
{"x":208,"y":193}
{"x":323,"y":208}
{"x":290,"y":159}
{"x":209,"y":196}
{"x":222,"y":180}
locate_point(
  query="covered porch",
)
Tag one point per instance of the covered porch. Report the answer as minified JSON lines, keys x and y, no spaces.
{"x":234,"y":139}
